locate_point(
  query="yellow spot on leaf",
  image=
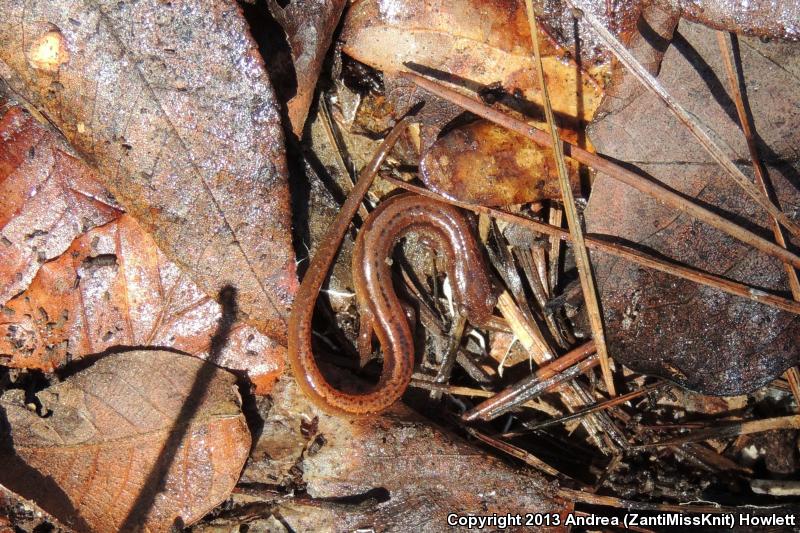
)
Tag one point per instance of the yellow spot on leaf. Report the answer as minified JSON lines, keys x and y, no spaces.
{"x":48,"y":52}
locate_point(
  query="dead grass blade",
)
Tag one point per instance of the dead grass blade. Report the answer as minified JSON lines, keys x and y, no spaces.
{"x":546,"y":378}
{"x":514,"y":451}
{"x":731,"y":430}
{"x":591,"y":409}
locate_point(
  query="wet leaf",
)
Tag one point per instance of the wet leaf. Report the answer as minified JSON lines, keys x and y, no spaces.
{"x":700,"y":337}
{"x":481,"y":42}
{"x":397,"y":471}
{"x":309,"y":27}
{"x":486,"y":164}
{"x":172,"y":105}
{"x":113,"y":287}
{"x":763,"y":18}
{"x":47,"y":198}
{"x":91,"y":461}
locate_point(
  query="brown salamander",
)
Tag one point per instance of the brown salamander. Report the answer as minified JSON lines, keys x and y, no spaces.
{"x":441,"y":225}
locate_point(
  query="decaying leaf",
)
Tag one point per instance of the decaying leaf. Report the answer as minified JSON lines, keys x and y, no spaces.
{"x":47,"y":198}
{"x":309,"y":26}
{"x":476,"y":42}
{"x":763,"y":18}
{"x":702,"y":338}
{"x":489,"y":165}
{"x":141,"y":440}
{"x":113,"y":287}
{"x":408,"y":474}
{"x":648,"y":44}
{"x":172,"y":105}
{"x":21,"y":512}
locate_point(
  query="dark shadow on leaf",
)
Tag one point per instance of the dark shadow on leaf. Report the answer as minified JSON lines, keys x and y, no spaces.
{"x":29,"y":483}
{"x":720,"y":93}
{"x":85,"y":362}
{"x":156,"y":479}
{"x":497,"y":94}
{"x":650,"y":35}
{"x":276,"y":52}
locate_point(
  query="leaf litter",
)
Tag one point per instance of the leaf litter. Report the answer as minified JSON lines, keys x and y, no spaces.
{"x":113,"y":287}
{"x":90,"y":460}
{"x":172,"y":105}
{"x":670,"y":328}
{"x":48,"y":198}
{"x":666,"y":447}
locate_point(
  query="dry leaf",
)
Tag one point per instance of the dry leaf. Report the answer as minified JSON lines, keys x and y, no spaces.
{"x":23,"y":513}
{"x":407,"y":474}
{"x":47,"y":198}
{"x":485,"y":164}
{"x":113,"y":287}
{"x":702,"y":338}
{"x":481,"y":42}
{"x":172,"y":105}
{"x":97,"y":459}
{"x":309,"y":26}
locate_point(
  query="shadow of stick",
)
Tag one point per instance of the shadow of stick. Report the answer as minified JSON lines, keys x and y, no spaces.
{"x":31,"y":484}
{"x":156,"y":479}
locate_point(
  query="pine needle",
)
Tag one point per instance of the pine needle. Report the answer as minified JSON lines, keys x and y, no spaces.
{"x":573,"y":220}
{"x":792,"y":374}
{"x":697,"y":129}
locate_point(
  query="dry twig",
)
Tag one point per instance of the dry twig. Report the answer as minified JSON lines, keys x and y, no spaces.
{"x":732,"y":430}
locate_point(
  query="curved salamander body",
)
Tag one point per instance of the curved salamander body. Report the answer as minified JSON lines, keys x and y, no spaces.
{"x":441,"y":225}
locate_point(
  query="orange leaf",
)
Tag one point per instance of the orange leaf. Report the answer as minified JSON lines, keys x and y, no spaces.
{"x":113,"y":287}
{"x":142,"y":439}
{"x":47,"y":198}
{"x":445,"y":35}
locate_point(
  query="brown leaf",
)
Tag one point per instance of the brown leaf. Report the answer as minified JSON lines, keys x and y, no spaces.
{"x":406,"y":473}
{"x":47,"y":198}
{"x":762,"y":18}
{"x":30,"y":518}
{"x":171,"y":103}
{"x":707,"y":340}
{"x":485,"y":164}
{"x":90,"y":461}
{"x":309,"y":26}
{"x":482,"y":42}
{"x":113,"y":287}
